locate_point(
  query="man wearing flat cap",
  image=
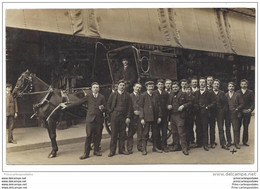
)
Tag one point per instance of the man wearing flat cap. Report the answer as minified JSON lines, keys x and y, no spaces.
{"x":120,"y":108}
{"x":150,"y":115}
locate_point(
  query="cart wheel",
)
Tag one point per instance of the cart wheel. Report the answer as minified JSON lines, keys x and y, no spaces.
{"x":108,"y":124}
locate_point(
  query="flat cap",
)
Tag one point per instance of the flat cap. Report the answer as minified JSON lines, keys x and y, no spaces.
{"x":149,"y":83}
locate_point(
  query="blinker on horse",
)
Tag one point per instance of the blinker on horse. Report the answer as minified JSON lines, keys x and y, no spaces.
{"x":46,"y":103}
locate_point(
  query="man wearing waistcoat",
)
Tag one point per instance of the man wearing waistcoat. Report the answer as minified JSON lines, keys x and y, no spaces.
{"x":119,"y":106}
{"x":249,"y":105}
{"x":177,"y":103}
{"x":219,"y":110}
{"x":94,"y":120}
{"x":204,"y":102}
{"x":135,"y":125}
{"x":163,"y":96}
{"x":150,"y":115}
{"x":235,"y":104}
{"x":212,"y":125}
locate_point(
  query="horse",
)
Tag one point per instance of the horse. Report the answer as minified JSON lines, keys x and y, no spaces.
{"x":46,"y":104}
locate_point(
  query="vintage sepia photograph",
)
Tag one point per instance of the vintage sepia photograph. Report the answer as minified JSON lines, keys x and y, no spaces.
{"x":130,"y":86}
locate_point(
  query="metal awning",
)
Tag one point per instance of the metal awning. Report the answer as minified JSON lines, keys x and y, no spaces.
{"x":216,"y":30}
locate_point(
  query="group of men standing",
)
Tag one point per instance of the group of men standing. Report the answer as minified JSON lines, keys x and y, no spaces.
{"x":180,"y":108}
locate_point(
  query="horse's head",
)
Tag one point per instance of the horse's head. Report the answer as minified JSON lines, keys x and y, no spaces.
{"x":23,"y":84}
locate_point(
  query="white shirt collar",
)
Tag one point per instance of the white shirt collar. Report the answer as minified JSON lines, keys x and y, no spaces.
{"x":202,"y":90}
{"x":194,"y":89}
{"x":243,"y":91}
{"x":160,"y":91}
{"x":135,"y":93}
{"x":230,"y":94}
{"x":119,"y":92}
{"x":149,"y":93}
{"x":216,"y":92}
{"x":95,"y":95}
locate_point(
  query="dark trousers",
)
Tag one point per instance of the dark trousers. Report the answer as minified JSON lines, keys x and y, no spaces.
{"x":145,"y":134}
{"x":202,"y":128}
{"x":212,"y":128}
{"x":220,"y":121}
{"x":131,"y":131}
{"x":118,"y":129}
{"x":10,"y":125}
{"x":245,"y":120}
{"x":162,"y":131}
{"x":236,"y":127}
{"x":178,"y":131}
{"x":189,"y":124}
{"x":228,"y":126}
{"x":93,"y":130}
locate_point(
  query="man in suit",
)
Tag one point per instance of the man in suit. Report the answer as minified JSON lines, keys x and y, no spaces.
{"x":219,"y":110}
{"x":11,"y":112}
{"x":150,"y":115}
{"x":94,"y":120}
{"x":189,"y":118}
{"x":126,"y":73}
{"x":135,"y":125}
{"x":194,"y":85}
{"x":204,"y":102}
{"x":194,"y":88}
{"x":235,"y":105}
{"x":168,"y":85}
{"x":177,"y":104}
{"x":212,"y":125}
{"x":249,"y":105}
{"x":184,"y":83}
{"x":163,"y":96}
{"x":119,"y":106}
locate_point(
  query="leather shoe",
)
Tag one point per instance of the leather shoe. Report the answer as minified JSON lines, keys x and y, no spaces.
{"x":185,"y":152}
{"x":237,"y":146}
{"x":140,"y":149}
{"x":165,"y":150}
{"x":124,"y":152}
{"x":225,"y":147}
{"x":111,"y":154}
{"x":12,"y":141}
{"x":213,"y":146}
{"x":157,"y":150}
{"x":197,"y":146}
{"x":215,"y":143}
{"x":228,"y":144}
{"x":84,"y":156}
{"x":97,"y":153}
{"x":144,"y":152}
{"x":245,"y":144}
{"x":130,"y":151}
{"x":206,"y":148}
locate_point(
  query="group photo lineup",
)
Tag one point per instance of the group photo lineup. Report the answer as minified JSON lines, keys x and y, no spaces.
{"x":130,"y":86}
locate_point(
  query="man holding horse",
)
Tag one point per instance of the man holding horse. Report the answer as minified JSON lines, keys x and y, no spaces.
{"x":96,"y":106}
